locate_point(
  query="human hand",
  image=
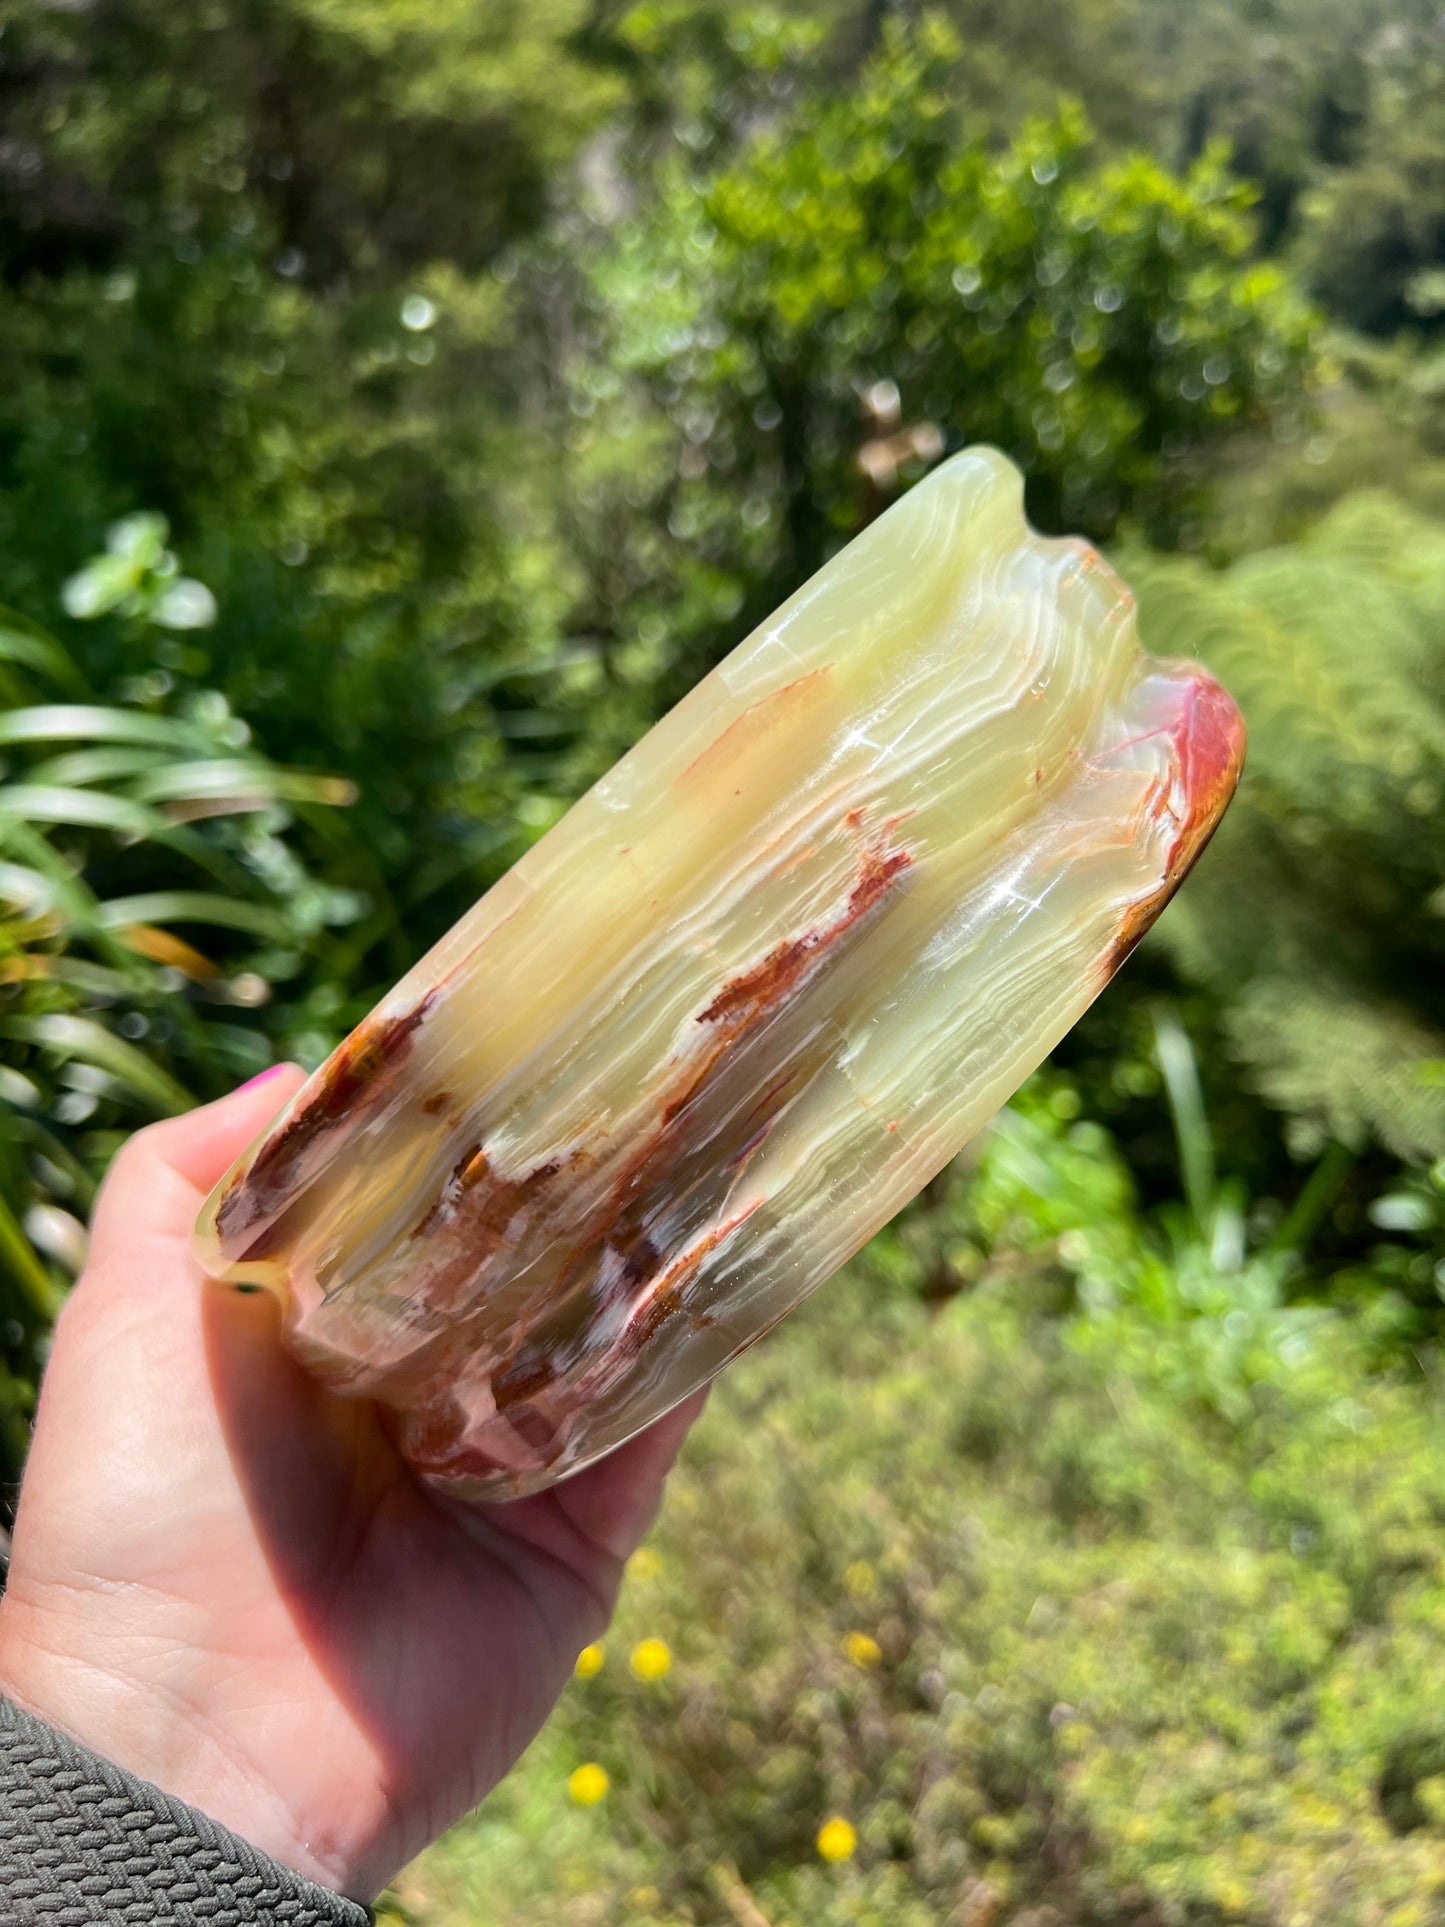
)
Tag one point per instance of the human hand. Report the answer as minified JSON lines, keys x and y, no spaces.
{"x":226,"y":1581}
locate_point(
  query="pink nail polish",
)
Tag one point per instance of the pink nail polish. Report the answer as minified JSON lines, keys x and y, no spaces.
{"x":260,"y":1078}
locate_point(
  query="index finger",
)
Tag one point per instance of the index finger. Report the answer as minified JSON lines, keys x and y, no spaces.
{"x":156,"y":1184}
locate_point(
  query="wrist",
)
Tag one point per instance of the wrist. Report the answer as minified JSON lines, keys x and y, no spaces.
{"x":150,"y":1727}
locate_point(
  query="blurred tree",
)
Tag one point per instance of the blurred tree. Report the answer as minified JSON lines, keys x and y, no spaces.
{"x":1283,"y":81}
{"x":1329,"y":107}
{"x":1335,"y":108}
{"x":773,"y":351}
{"x":1018,"y":59}
{"x":244,"y":255}
{"x":1373,"y":232}
{"x":364,"y":138}
{"x":715,"y":75}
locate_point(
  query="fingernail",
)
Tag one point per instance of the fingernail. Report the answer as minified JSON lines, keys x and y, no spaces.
{"x":261,"y":1077}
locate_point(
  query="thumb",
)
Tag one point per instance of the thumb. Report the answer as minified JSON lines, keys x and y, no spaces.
{"x":156,"y":1184}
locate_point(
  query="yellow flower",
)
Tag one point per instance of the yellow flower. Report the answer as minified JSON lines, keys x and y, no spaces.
{"x":651,"y":1659}
{"x":858,"y":1579}
{"x":589,"y":1660}
{"x":588,"y":1784}
{"x":644,"y":1564}
{"x":836,"y":1839}
{"x":863,"y":1650}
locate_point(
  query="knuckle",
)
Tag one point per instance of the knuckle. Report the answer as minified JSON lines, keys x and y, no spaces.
{"x":136,"y":1163}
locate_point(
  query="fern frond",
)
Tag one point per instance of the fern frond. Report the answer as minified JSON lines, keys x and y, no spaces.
{"x":1316,"y":917}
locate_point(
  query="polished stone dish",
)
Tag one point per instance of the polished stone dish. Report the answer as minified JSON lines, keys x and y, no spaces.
{"x":757,"y":988}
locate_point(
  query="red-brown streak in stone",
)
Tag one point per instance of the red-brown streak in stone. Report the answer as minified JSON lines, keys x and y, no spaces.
{"x":739,"y":1009}
{"x":799,"y":862}
{"x":429,"y":1438}
{"x":665,"y":1295}
{"x":768,"y":984}
{"x":533,"y":1364}
{"x":524,"y":1376}
{"x":271,"y":1243}
{"x":781,"y":698}
{"x":489,"y":1205}
{"x":534,"y":1428}
{"x":370,"y":1054}
{"x":762,"y":992}
{"x":498,"y":1199}
{"x":1208,"y":739}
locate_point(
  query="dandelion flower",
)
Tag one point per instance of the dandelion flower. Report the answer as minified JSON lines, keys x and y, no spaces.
{"x":836,"y":1839}
{"x":651,"y":1659}
{"x":588,"y":1784}
{"x":589,"y":1660}
{"x":863,"y":1650}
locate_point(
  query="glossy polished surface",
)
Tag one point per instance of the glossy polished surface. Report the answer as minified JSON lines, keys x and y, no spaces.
{"x":757,"y":988}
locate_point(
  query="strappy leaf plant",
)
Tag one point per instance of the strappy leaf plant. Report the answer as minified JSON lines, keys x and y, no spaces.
{"x":157,"y":890}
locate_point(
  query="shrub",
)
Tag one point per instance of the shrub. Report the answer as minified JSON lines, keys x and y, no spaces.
{"x":1066,"y":1641}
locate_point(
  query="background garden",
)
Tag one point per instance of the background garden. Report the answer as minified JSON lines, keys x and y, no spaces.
{"x":402,"y":402}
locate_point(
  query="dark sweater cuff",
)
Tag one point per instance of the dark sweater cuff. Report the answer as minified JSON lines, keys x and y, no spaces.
{"x":84,"y":1844}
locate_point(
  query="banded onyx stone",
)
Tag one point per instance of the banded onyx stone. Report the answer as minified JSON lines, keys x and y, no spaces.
{"x":744,"y":1000}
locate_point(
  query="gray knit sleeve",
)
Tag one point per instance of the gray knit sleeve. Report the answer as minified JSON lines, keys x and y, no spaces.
{"x":84,"y":1844}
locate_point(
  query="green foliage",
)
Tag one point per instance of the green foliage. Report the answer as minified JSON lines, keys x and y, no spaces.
{"x":1315,"y":922}
{"x":1334,"y":108}
{"x":247,"y":280}
{"x":1373,"y":230}
{"x":866,"y":284}
{"x":1380,"y":424}
{"x":449,"y":500}
{"x":155,"y":896}
{"x":1330,"y":108}
{"x":495,"y":366}
{"x":355,"y":138}
{"x":138,"y":576}
{"x":698,"y":74}
{"x":710,"y":73}
{"x":1125,"y":1656}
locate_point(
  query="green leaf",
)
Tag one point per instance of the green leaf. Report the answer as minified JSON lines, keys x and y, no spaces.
{"x":66,"y":1036}
{"x":102,"y":585}
{"x":140,"y":538}
{"x":68,"y":894}
{"x":185,"y":604}
{"x":251,"y":782}
{"x":97,"y":982}
{"x":20,"y":1259}
{"x":81,"y":766}
{"x":25,"y":889}
{"x":190,"y":906}
{"x":27,"y":644}
{"x":43,"y":803}
{"x":62,"y":722}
